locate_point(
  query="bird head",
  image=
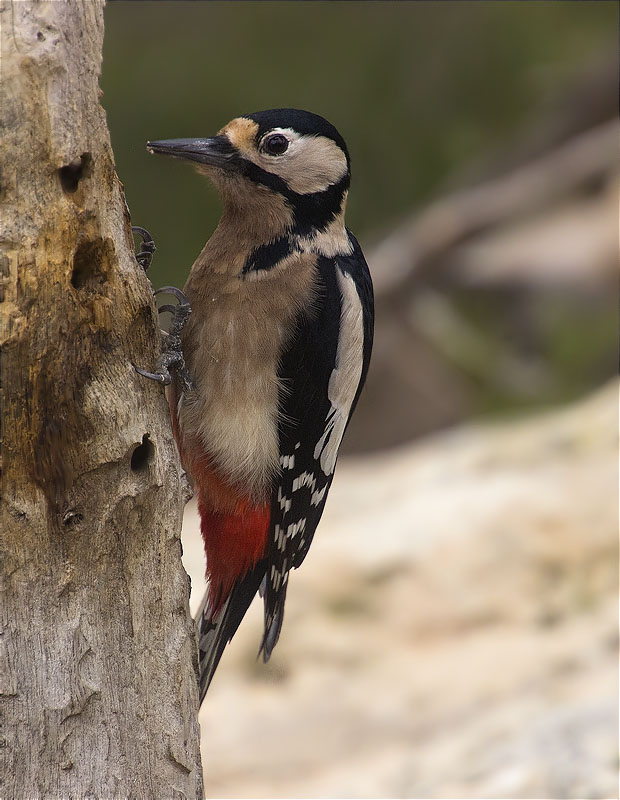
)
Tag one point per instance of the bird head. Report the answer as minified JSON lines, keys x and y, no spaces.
{"x":294,"y":154}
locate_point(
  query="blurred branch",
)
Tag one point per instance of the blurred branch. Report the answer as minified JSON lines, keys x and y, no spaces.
{"x":469,"y":349}
{"x":403,"y":258}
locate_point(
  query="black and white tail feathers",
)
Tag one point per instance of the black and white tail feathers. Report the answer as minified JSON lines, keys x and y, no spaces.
{"x":214,"y":633}
{"x":274,"y":616}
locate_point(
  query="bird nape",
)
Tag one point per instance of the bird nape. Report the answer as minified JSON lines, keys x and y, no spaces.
{"x":276,"y":350}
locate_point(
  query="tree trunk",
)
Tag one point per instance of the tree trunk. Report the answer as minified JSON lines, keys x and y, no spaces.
{"x":98,"y":656}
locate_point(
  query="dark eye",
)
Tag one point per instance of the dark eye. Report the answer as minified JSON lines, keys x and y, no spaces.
{"x":276,"y":145}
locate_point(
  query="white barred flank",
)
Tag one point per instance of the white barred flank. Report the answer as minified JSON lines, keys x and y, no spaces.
{"x":318,"y":496}
{"x":284,"y":502}
{"x":287,"y":462}
{"x":296,"y":527}
{"x":305,"y":479}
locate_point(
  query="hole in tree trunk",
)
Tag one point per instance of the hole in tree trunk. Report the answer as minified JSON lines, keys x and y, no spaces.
{"x":142,"y":454}
{"x":71,"y":174}
{"x":71,"y":518}
{"x":90,"y":264}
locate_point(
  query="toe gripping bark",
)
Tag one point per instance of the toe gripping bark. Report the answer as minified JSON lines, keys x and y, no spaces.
{"x":171,"y":357}
{"x":147,"y":248}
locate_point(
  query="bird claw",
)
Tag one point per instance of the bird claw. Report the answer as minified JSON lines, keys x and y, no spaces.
{"x":171,"y":357}
{"x":161,"y":377}
{"x":174,"y":292}
{"x":147,"y":248}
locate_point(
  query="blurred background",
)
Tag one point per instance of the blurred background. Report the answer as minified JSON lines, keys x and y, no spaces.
{"x":453,"y":630}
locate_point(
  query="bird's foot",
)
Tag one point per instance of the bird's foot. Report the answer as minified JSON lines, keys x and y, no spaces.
{"x":171,"y":357}
{"x":147,"y":248}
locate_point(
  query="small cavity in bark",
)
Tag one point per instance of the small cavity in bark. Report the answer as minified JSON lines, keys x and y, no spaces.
{"x":142,"y":454}
{"x":71,"y":518}
{"x":71,"y":174}
{"x":90,"y":264}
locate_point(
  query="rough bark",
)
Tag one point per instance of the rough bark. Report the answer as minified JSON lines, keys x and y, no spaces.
{"x":98,"y":658}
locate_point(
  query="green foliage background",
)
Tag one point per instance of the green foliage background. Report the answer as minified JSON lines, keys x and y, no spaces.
{"x":418,"y":90}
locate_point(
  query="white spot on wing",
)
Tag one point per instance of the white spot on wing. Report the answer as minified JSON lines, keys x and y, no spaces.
{"x":287,"y":462}
{"x":317,"y":496}
{"x":346,"y":374}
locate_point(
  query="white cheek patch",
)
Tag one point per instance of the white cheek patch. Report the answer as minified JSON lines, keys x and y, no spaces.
{"x":346,"y":374}
{"x":311,"y":163}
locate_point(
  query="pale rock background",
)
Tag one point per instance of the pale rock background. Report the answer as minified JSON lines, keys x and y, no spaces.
{"x":452,"y":632}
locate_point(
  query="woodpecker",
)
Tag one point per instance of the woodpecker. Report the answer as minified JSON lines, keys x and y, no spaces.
{"x":276,"y":350}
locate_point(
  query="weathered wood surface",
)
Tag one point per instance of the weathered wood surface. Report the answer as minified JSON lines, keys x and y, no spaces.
{"x":97,"y":666}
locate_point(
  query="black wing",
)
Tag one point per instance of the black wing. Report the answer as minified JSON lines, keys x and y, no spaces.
{"x":308,"y":419}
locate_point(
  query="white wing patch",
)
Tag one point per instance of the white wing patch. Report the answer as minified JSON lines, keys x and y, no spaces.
{"x":346,"y":374}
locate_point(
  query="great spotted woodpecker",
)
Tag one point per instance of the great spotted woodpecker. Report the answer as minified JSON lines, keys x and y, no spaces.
{"x":276,"y":352}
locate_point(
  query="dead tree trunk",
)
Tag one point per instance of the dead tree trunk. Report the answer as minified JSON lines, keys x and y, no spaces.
{"x":97,"y":664}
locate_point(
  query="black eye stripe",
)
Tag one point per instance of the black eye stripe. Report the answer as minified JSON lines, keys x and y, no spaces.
{"x":312,"y":211}
{"x":276,"y":144}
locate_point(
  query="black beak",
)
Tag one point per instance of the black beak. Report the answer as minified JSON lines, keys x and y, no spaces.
{"x":216,"y":152}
